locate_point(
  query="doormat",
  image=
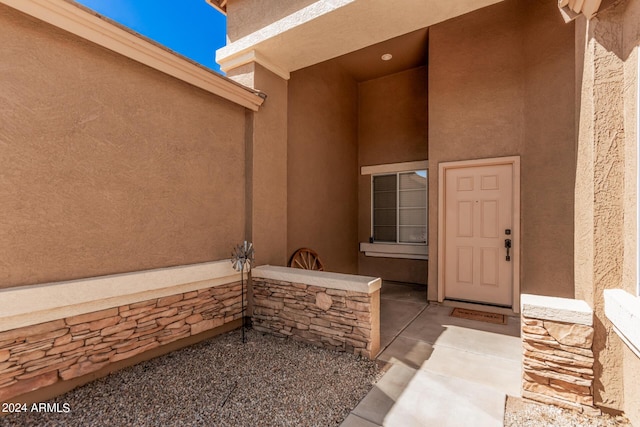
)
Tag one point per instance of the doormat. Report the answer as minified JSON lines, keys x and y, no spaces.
{"x":481,"y":316}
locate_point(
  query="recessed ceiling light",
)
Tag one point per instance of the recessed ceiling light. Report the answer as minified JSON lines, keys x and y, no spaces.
{"x":386,"y":56}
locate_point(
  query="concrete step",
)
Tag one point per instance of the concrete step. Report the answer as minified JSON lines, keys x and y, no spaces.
{"x":382,"y":397}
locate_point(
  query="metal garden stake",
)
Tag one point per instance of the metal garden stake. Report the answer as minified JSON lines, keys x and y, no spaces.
{"x":242,"y":258}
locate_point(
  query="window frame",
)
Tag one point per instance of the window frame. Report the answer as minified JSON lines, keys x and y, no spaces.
{"x":413,"y":251}
{"x":398,"y":225}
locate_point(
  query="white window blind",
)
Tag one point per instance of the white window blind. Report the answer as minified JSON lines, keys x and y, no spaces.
{"x":400,"y":207}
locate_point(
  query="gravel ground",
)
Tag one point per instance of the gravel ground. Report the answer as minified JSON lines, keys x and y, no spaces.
{"x":221,"y":382}
{"x":521,"y":413}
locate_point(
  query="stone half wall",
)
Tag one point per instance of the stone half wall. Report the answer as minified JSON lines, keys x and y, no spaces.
{"x":309,"y":306}
{"x":557,"y":339}
{"x":40,"y":355}
{"x":54,"y":351}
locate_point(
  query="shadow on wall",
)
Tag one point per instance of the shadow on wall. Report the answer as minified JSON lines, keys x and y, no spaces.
{"x":395,"y":270}
{"x":604,"y":341}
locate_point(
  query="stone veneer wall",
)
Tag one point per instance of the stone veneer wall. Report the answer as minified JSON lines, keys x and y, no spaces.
{"x":40,"y":355}
{"x":557,"y":336}
{"x":337,"y":319}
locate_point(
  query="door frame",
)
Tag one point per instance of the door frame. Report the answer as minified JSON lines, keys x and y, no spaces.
{"x":514,"y":161}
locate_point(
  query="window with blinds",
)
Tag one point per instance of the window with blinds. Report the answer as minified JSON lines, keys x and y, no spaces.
{"x":400,"y":207}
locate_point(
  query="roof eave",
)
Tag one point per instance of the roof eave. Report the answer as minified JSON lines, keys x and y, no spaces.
{"x":571,"y":9}
{"x":219,"y":5}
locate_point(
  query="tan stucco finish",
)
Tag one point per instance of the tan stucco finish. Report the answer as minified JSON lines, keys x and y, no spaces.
{"x":605,"y":195}
{"x":324,"y":29}
{"x":392,"y":128}
{"x":393,"y":118}
{"x":631,"y":385}
{"x":107,"y":165}
{"x":322,"y":165}
{"x":248,"y":16}
{"x":501,"y":83}
{"x":336,"y":126}
{"x":269,"y":170}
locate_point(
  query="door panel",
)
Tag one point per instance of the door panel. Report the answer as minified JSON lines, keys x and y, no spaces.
{"x":464,"y":267}
{"x":489,"y":266}
{"x":478,"y":209}
{"x":489,"y":218}
{"x":465,"y":219}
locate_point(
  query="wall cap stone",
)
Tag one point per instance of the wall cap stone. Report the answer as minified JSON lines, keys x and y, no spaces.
{"x":30,"y":305}
{"x":557,"y":309}
{"x":623,"y":310}
{"x":323,"y":279}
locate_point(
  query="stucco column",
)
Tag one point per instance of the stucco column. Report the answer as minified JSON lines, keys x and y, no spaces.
{"x":266,"y":142}
{"x":599,"y":195}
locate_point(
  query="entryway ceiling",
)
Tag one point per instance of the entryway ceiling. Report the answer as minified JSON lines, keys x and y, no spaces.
{"x":408,"y":51}
{"x":327,"y":29}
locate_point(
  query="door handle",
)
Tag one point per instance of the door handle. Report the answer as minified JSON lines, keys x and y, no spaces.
{"x":507,"y":245}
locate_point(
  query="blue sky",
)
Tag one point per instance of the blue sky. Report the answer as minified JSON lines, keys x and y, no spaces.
{"x":189,"y":27}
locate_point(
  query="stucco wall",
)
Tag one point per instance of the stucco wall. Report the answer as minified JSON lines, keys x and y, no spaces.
{"x":247,"y":16}
{"x":392,"y":128}
{"x":605,"y":198}
{"x":631,"y":41}
{"x":106,"y":165}
{"x":631,"y":386}
{"x":322,"y":165}
{"x":268,"y":145}
{"x":549,"y":152}
{"x":500,"y":85}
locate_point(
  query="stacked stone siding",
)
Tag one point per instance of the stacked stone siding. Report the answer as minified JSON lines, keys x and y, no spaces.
{"x":335,"y":319}
{"x":36,"y":356}
{"x":558,"y":363}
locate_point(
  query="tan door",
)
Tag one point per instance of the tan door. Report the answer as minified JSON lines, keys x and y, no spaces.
{"x":478,"y":217}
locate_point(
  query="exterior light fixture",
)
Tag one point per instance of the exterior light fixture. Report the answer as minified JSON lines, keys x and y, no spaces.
{"x":386,"y":57}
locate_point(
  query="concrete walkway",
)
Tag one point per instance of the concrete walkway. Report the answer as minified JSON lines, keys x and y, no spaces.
{"x":443,"y":371}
